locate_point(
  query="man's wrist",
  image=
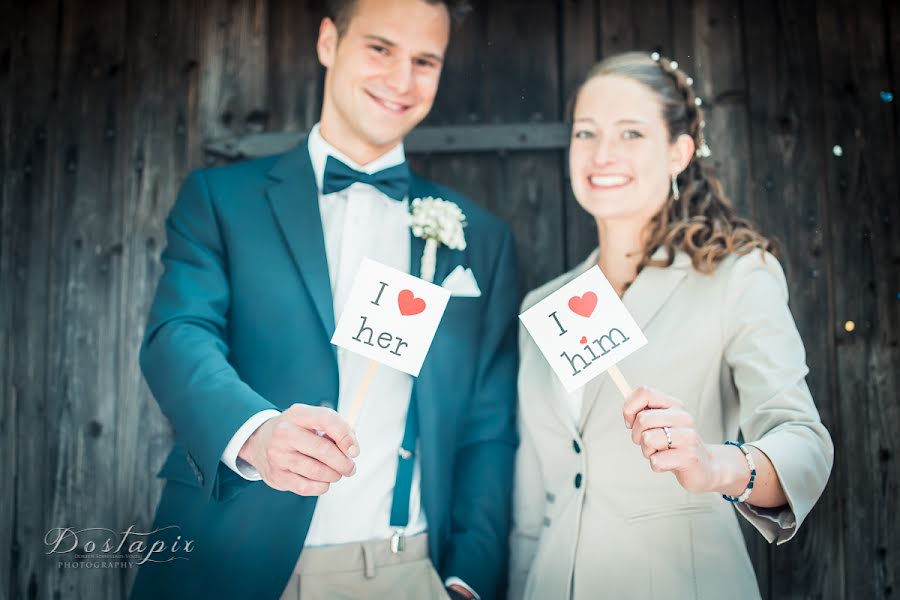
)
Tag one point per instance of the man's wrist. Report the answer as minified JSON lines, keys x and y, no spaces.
{"x":457,"y":592}
{"x":459,"y":588}
{"x":232,"y":456}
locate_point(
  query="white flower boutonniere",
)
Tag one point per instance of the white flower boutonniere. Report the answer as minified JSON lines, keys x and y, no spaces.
{"x":436,"y":221}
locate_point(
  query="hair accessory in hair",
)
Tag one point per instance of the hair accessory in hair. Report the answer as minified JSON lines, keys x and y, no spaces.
{"x":690,"y":81}
{"x":698,"y":101}
{"x":673,"y":64}
{"x":655,"y":56}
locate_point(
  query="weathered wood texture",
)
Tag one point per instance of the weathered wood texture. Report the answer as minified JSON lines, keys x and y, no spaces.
{"x":105,"y":106}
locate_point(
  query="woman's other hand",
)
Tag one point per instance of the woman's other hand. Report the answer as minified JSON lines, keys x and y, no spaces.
{"x":699,"y":468}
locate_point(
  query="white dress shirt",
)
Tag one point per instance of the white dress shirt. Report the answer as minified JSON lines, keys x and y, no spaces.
{"x":359,"y":221}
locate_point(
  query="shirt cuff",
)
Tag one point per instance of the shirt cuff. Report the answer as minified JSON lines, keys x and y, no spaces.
{"x":230,"y":455}
{"x":457,"y":581}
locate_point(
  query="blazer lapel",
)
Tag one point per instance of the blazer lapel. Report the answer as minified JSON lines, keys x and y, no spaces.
{"x":643,"y":299}
{"x":653,"y":286}
{"x":295,"y":204}
{"x":592,"y":390}
{"x":553,"y":386}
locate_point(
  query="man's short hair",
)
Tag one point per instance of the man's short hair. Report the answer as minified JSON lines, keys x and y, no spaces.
{"x":341,"y":11}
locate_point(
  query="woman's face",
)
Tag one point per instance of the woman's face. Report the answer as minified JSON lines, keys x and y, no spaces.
{"x":620,"y":158}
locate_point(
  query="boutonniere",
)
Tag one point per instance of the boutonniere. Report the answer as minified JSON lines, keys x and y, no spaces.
{"x":437,"y":221}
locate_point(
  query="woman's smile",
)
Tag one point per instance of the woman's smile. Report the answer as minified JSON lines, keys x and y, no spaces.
{"x":609,"y":182}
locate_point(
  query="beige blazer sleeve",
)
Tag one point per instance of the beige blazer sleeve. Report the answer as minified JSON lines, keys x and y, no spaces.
{"x":528,"y":506}
{"x":777,"y":415}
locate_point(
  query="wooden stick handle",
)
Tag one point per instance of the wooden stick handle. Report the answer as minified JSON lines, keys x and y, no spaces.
{"x":619,"y":380}
{"x":361,"y":391}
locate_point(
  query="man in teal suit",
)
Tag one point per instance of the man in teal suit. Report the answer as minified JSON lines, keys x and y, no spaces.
{"x":272,"y":492}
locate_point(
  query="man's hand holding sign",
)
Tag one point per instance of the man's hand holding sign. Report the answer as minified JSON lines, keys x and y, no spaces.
{"x":290,"y":457}
{"x":391,"y":318}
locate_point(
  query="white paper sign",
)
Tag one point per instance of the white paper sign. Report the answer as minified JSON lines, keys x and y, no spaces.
{"x":391,"y":317}
{"x":583,"y":329}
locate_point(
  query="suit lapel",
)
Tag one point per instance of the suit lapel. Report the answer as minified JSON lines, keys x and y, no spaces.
{"x":295,"y":203}
{"x":424,"y":392}
{"x":419,"y":188}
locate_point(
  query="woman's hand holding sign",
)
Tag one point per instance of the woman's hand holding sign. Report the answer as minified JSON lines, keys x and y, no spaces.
{"x":647,"y":413}
{"x":291,"y":456}
{"x":656,"y":418}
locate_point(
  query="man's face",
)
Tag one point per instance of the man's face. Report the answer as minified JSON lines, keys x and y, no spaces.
{"x":383,"y":73}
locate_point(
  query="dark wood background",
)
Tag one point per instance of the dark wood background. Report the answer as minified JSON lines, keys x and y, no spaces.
{"x":105,"y":106}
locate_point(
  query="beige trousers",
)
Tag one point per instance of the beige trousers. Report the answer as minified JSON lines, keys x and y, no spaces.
{"x":364,"y":570}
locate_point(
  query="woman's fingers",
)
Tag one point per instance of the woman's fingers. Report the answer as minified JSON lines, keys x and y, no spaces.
{"x":658,"y":418}
{"x":644,"y":398}
{"x":677,"y":459}
{"x":655,"y":440}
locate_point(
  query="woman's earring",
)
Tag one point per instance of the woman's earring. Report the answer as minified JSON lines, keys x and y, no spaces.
{"x":675,"y":194}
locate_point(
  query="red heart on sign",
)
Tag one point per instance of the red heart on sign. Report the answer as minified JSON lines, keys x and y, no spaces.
{"x":409,"y":304}
{"x":583,"y":340}
{"x":583,"y":305}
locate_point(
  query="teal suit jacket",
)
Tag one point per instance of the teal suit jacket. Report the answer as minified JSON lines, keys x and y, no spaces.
{"x":242,"y":322}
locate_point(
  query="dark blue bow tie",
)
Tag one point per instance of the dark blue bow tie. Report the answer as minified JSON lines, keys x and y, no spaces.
{"x":392,"y":182}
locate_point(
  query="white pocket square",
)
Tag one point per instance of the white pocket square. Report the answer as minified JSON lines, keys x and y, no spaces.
{"x":461,"y":282}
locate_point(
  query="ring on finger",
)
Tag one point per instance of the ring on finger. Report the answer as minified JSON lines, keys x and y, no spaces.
{"x":668,"y":433}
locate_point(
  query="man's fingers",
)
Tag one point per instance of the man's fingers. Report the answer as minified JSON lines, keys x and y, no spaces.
{"x":287,"y":481}
{"x":328,"y":422}
{"x":323,"y":450}
{"x":643,"y":398}
{"x":293,"y":438}
{"x":306,"y":466}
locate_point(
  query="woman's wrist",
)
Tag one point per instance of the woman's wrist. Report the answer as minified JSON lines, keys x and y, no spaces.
{"x":732,"y":471}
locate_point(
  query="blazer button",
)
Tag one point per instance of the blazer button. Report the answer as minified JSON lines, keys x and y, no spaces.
{"x":576,"y":446}
{"x":578,"y":480}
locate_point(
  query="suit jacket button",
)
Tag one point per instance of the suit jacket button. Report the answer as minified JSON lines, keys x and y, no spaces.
{"x":578,"y":480}
{"x":576,"y":447}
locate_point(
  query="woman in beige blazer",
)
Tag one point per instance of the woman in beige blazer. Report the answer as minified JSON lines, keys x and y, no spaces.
{"x":621,"y":499}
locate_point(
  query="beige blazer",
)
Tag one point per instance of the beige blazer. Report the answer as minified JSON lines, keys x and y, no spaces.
{"x":591,"y":519}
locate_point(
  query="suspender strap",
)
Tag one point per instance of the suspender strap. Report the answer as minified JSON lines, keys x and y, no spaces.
{"x":405,"y":462}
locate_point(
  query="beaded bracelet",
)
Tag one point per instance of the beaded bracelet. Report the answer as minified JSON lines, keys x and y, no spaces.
{"x":752,"y":466}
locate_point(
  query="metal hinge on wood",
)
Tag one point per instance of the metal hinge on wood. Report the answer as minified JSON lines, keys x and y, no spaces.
{"x":423,"y":140}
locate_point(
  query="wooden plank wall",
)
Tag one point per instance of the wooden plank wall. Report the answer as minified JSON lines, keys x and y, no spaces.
{"x":105,"y":105}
